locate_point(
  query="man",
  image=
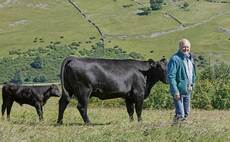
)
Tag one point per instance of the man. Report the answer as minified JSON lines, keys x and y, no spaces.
{"x":181,"y":77}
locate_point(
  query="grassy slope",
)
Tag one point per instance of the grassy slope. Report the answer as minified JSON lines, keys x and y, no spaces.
{"x":199,"y":11}
{"x":115,"y":20}
{"x":206,"y":39}
{"x":156,"y":125}
{"x":57,"y":19}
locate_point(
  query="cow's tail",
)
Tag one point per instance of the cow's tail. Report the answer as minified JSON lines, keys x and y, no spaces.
{"x":64,"y":63}
{"x":4,"y":94}
{"x":3,"y":99}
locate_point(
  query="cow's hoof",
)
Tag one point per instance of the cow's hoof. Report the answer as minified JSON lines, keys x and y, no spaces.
{"x":131,"y":119}
{"x":88,"y":123}
{"x":59,"y":122}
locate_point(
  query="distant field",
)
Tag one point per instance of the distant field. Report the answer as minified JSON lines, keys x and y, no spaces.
{"x":206,"y":39}
{"x":114,"y":19}
{"x":111,"y":124}
{"x":207,"y":26}
{"x":25,"y":20}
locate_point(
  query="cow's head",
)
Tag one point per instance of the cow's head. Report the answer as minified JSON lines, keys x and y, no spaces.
{"x":158,"y":70}
{"x":54,"y":91}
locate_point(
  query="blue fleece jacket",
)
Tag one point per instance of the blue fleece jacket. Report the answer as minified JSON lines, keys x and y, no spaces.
{"x":176,"y":75}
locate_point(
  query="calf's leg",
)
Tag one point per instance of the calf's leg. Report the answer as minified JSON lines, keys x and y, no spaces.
{"x":38,"y":107}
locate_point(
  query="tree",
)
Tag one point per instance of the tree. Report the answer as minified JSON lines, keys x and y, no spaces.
{"x":156,"y":4}
{"x":40,"y":78}
{"x":185,"y":5}
{"x":17,"y":78}
{"x":99,"y":50}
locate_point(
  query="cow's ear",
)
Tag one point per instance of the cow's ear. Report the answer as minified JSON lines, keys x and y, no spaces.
{"x":164,"y":60}
{"x":51,"y":86}
{"x":152,"y":63}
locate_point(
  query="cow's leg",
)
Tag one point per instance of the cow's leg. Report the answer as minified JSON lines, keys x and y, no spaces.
{"x":9,"y":106}
{"x":4,"y":105}
{"x":39,"y":111}
{"x":3,"y":108}
{"x":130,"y":108}
{"x":5,"y":100}
{"x":139,"y":99}
{"x":138,"y":107}
{"x":82,"y":107}
{"x":83,"y":98}
{"x":63,"y":102}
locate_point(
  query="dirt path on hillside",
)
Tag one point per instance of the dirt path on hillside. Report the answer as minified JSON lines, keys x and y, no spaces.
{"x":180,"y":27}
{"x":138,"y":3}
{"x":227,"y":31}
{"x":88,"y":20}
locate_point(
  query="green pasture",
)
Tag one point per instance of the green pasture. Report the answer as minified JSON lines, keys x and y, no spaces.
{"x":114,"y":19}
{"x":112,"y":124}
{"x":206,"y":40}
{"x":25,"y":20}
{"x":30,"y":23}
{"x":198,"y":11}
{"x":214,"y":44}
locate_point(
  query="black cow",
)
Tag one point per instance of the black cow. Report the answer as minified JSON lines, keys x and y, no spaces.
{"x":32,"y":95}
{"x":107,"y":79}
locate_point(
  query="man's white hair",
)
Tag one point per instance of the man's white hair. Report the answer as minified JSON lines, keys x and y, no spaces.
{"x":184,"y":42}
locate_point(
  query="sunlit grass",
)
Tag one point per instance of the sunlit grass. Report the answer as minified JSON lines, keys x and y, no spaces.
{"x":112,"y":124}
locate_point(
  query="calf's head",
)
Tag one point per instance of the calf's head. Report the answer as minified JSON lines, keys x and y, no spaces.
{"x":54,"y":91}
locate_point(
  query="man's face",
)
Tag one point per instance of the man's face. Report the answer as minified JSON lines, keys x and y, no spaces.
{"x":185,"y":48}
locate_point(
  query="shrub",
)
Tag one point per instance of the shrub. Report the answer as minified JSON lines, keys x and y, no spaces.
{"x":40,"y":78}
{"x":219,"y":73}
{"x":17,"y":78}
{"x":202,"y":95}
{"x":156,"y":4}
{"x":185,"y":5}
{"x":221,"y":98}
{"x":159,"y":98}
{"x":135,"y":55}
{"x":37,"y":63}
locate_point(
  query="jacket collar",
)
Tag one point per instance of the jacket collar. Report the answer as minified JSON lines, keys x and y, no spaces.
{"x":181,"y":55}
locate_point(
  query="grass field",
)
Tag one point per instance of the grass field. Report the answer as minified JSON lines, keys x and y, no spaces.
{"x":23,"y":21}
{"x":112,"y":124}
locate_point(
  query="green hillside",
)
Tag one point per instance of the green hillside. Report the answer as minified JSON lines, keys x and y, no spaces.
{"x":30,"y":24}
{"x":24,"y":20}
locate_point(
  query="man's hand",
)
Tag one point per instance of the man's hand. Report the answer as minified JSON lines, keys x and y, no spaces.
{"x":177,"y":96}
{"x":190,"y":88}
